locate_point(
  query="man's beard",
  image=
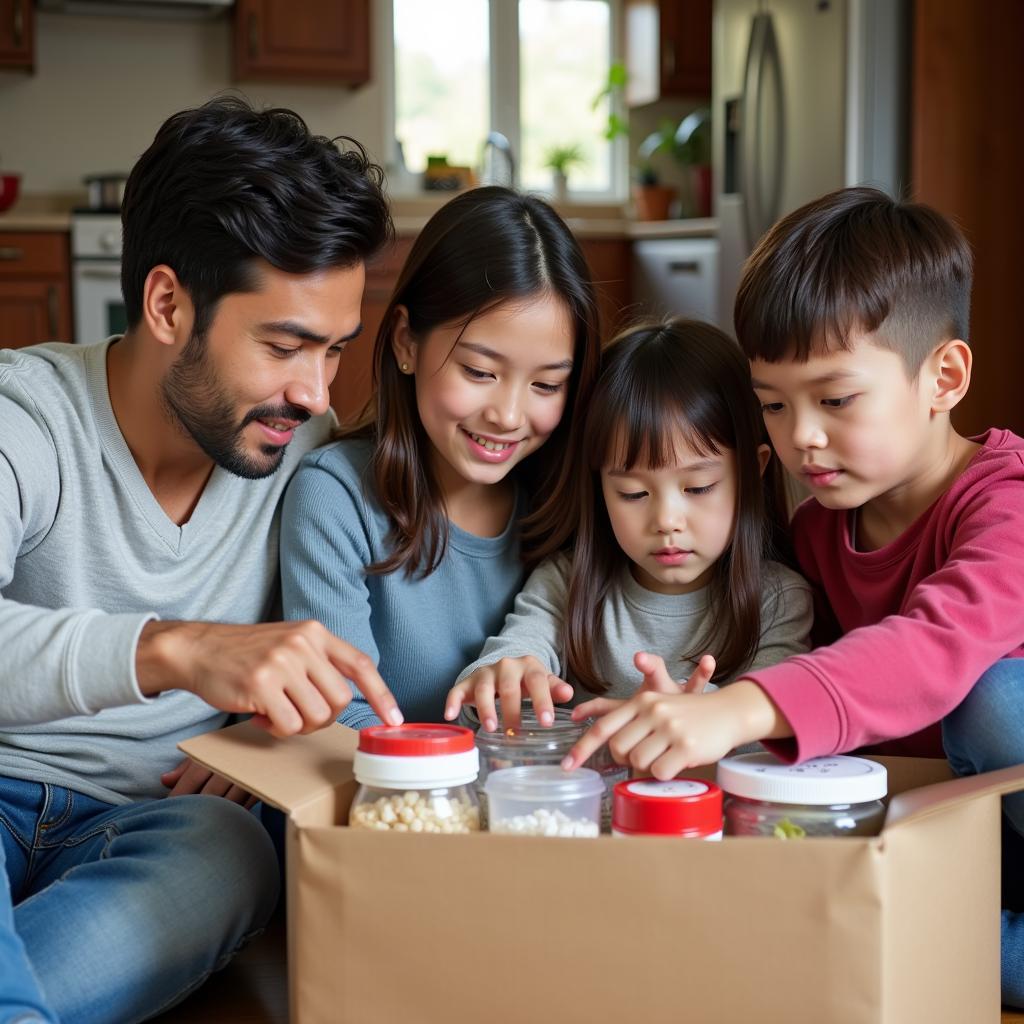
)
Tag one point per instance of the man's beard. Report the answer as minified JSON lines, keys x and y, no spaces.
{"x":197,"y":402}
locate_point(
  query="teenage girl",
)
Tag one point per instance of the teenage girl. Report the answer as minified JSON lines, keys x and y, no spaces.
{"x":676,"y":522}
{"x":410,"y":536}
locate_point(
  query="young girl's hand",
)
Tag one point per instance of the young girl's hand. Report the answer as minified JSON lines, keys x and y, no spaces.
{"x":658,"y":680}
{"x":510,"y":679}
{"x":666,"y":733}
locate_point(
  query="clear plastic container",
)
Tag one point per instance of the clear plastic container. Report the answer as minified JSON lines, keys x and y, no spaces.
{"x":825,"y":796}
{"x":541,"y":800}
{"x":536,"y":744}
{"x":685,"y":808}
{"x":416,"y":778}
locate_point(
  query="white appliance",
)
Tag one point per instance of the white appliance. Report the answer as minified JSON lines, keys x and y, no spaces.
{"x":676,"y":276}
{"x":96,"y":276}
{"x":808,"y":96}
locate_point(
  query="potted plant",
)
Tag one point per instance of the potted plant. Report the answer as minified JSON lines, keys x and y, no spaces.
{"x":652,"y":199}
{"x":692,"y":148}
{"x":559,"y":159}
{"x":689,"y":144}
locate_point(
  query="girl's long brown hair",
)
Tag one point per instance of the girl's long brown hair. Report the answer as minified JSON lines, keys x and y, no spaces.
{"x":486,"y":247}
{"x":661,"y":380}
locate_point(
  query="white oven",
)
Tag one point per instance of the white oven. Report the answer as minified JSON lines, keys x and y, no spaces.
{"x":96,"y":274}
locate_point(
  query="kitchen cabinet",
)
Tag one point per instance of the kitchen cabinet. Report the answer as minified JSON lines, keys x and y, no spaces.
{"x":303,"y":41}
{"x":668,"y":50}
{"x":35,"y":287}
{"x":610,"y":262}
{"x":17,"y":35}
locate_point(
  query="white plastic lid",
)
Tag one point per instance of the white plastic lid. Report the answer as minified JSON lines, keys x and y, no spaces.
{"x":384,"y":771}
{"x":819,"y":781}
{"x":540,"y":782}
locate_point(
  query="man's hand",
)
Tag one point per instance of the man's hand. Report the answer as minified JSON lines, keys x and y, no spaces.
{"x":189,"y":777}
{"x":292,"y":677}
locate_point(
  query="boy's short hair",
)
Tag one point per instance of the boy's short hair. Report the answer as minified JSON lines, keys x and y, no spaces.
{"x":224,"y":185}
{"x":855,"y":260}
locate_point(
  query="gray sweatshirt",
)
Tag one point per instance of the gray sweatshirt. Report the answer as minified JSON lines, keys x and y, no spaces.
{"x":87,"y":557}
{"x":635,"y":619}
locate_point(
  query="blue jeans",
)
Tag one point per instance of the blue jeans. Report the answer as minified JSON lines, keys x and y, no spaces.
{"x":984,"y":733}
{"x":114,"y":913}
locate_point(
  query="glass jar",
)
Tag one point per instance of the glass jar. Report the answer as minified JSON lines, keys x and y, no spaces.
{"x":825,"y":796}
{"x":543,"y":800}
{"x":416,"y":778}
{"x":686,"y":808}
{"x":536,"y":744}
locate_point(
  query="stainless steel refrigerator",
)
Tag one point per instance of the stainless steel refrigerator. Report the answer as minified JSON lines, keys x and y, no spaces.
{"x":808,"y":96}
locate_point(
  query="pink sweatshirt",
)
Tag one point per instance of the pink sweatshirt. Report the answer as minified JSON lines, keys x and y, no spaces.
{"x":918,"y":621}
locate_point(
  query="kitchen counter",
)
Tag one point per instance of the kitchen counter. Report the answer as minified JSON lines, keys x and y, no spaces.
{"x":41,"y":213}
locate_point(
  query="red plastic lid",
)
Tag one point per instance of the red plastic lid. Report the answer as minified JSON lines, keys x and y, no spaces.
{"x":672,"y":808}
{"x":416,"y":739}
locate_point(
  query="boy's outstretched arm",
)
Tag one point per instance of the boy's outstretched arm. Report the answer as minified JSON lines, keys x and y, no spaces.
{"x":665,"y":733}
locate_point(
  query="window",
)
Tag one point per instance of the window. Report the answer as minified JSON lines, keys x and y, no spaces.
{"x":529,"y":69}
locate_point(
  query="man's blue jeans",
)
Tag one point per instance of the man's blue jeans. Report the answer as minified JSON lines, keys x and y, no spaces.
{"x":984,"y":733}
{"x":114,"y":913}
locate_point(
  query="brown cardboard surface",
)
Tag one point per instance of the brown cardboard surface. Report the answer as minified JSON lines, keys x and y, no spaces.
{"x":283,"y":773}
{"x":451,"y":929}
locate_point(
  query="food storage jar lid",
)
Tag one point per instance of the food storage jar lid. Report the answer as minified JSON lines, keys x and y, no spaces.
{"x":542,"y":782}
{"x":415,"y":756}
{"x":820,"y":781}
{"x":415,"y":739}
{"x":673,"y":807}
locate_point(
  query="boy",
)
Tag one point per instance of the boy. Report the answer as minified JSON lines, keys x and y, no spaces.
{"x":853,"y":312}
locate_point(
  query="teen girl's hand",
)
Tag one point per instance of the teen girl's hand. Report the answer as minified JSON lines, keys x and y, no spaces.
{"x":667,"y":733}
{"x":190,"y":777}
{"x":292,"y":677}
{"x":658,"y":680}
{"x":510,"y":679}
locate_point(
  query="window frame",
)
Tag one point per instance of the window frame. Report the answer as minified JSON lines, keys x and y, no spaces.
{"x":503,"y":25}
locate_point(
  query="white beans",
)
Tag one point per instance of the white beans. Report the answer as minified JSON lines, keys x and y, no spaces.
{"x":543,"y":822}
{"x":417,"y":812}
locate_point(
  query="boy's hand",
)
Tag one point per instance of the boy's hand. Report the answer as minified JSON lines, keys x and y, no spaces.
{"x":190,"y":777}
{"x":292,"y":677}
{"x":510,"y":679}
{"x":666,"y":733}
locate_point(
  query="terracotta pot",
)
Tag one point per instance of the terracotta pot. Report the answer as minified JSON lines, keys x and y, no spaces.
{"x":652,"y":201}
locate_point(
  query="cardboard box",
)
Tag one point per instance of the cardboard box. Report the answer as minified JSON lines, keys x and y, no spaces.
{"x":434,"y":929}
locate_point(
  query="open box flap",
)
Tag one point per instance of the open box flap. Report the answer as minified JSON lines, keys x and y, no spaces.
{"x":285,"y":773}
{"x":915,"y":804}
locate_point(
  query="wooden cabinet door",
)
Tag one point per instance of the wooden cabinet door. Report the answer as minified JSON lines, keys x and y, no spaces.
{"x":303,"y":40}
{"x":32,"y":312}
{"x":685,"y":48}
{"x":17,"y":42}
{"x":610,"y":262}
{"x":668,"y":50}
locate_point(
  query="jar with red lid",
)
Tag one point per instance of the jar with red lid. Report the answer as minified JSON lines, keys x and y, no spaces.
{"x":416,"y":778}
{"x":686,"y":808}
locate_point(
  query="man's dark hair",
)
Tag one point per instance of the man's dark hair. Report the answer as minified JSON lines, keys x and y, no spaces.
{"x":855,"y":260}
{"x":224,"y":185}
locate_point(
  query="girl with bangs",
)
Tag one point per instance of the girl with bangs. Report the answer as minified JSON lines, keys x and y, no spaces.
{"x":678,"y":510}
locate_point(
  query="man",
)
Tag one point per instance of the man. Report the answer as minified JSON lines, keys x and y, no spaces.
{"x":140,"y":482}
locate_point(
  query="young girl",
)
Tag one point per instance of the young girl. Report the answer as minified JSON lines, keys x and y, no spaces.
{"x":408,"y":537}
{"x":675,"y":516}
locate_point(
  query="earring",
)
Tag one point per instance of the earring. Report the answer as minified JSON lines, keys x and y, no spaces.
{"x":405,"y":367}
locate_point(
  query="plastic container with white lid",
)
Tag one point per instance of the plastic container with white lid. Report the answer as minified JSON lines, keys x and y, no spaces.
{"x":686,"y":808}
{"x":825,"y":796}
{"x":416,"y":778}
{"x":543,"y":800}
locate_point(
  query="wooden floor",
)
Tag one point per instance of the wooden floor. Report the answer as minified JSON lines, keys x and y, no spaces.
{"x":253,"y":989}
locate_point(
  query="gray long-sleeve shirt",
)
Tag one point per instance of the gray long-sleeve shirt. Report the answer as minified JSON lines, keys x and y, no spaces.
{"x":635,"y":619}
{"x":87,"y":557}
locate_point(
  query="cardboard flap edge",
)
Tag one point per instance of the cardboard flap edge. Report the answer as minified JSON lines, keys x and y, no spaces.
{"x":911,"y":806}
{"x":284,"y":773}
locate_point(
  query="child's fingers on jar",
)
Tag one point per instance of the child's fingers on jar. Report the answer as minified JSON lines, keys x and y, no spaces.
{"x":646,"y":751}
{"x":615,"y":717}
{"x":539,"y":691}
{"x":510,"y":693}
{"x":561,"y":691}
{"x":483,"y":696}
{"x":458,"y":695}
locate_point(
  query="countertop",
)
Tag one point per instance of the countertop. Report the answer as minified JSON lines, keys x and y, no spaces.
{"x":53,"y":213}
